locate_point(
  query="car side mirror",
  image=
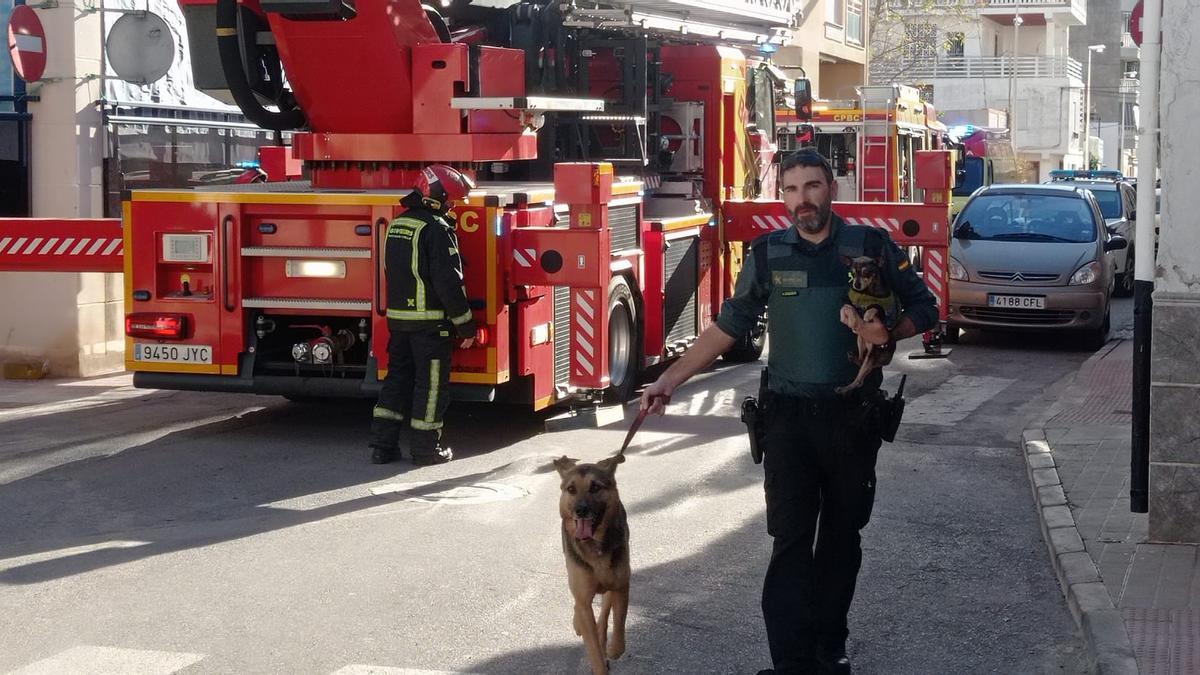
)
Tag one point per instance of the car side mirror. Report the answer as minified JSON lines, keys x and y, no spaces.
{"x":1116,"y":243}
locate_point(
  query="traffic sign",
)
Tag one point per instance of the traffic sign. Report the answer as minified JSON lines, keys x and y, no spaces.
{"x":27,"y":43}
{"x":1135,"y":23}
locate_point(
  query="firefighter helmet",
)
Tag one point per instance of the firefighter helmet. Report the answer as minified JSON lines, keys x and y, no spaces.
{"x":441,"y":185}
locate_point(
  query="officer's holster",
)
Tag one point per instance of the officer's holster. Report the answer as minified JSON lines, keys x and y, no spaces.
{"x":754,"y":416}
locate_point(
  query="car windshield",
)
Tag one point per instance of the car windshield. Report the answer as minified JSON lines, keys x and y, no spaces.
{"x":1109,"y":200}
{"x":1027,"y":217}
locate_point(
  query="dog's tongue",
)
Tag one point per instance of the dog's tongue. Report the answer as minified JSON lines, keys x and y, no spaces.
{"x":583,"y":528}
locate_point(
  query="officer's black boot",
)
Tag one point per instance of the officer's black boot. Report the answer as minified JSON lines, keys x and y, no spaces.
{"x":834,"y":661}
{"x":427,"y":449}
{"x":384,"y":440}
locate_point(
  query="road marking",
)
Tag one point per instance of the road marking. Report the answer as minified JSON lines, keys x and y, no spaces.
{"x":90,"y":660}
{"x":384,"y":670}
{"x":954,"y":400}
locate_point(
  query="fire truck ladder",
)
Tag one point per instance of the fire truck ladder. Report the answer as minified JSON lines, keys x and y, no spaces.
{"x":876,"y":165}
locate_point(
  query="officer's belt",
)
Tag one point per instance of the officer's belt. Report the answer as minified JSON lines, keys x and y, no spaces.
{"x":817,"y":407}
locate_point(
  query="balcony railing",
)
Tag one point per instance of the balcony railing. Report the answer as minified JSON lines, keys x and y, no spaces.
{"x":980,"y":66}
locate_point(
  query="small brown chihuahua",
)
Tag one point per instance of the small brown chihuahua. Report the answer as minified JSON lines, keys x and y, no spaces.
{"x":869,"y":300}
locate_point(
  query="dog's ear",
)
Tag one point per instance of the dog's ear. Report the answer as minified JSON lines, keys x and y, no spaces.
{"x":610,"y":464}
{"x":564,"y":464}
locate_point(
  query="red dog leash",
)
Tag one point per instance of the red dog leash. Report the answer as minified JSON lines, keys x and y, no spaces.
{"x":637,"y":422}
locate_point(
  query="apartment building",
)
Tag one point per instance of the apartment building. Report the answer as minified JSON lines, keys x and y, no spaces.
{"x":975,"y":57}
{"x":830,"y":45}
{"x":1114,"y":85}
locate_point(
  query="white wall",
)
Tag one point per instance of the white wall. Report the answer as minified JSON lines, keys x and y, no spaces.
{"x":1043,"y":107}
{"x":74,"y":319}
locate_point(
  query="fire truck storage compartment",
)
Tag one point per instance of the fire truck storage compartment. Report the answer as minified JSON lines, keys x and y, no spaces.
{"x":681,"y":285}
{"x":562,"y":334}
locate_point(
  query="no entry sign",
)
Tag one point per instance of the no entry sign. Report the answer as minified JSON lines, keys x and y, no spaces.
{"x":27,"y":43}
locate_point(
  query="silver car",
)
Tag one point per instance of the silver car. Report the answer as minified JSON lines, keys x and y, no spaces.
{"x":1032,"y":257}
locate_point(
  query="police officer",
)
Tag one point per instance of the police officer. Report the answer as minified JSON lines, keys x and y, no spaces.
{"x":820,"y":448}
{"x":427,"y":315}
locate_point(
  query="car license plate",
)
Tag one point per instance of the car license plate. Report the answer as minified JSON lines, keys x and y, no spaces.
{"x":156,"y":353}
{"x":1017,"y":301}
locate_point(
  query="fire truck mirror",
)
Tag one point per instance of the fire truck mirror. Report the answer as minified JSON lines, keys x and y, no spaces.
{"x":910,"y":228}
{"x":802,"y":89}
{"x":552,"y":261}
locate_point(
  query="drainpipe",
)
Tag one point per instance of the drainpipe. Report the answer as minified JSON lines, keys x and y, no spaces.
{"x":1143,"y":285}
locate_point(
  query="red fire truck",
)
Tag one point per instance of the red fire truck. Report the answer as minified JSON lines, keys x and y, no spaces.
{"x":620,"y":152}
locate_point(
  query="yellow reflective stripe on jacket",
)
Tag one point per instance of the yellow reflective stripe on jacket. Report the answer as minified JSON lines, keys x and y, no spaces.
{"x":422,"y":425}
{"x":461,"y":318}
{"x":415,"y":315}
{"x":416,"y":259}
{"x":387,"y":414}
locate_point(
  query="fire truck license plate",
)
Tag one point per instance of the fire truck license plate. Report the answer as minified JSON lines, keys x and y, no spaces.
{"x":1017,"y":301}
{"x":197,"y":354}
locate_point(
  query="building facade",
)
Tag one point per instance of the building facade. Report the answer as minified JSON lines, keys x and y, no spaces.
{"x":1114,"y":80}
{"x":977,"y":56}
{"x":829,"y":47}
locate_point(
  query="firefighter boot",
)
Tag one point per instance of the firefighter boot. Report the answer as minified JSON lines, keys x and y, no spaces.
{"x":385,"y":440}
{"x":427,"y":448}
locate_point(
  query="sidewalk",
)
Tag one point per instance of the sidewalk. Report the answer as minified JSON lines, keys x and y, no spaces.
{"x":1137,"y":603}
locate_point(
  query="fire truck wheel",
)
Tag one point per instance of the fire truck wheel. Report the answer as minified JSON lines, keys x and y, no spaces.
{"x":622,"y":342}
{"x":749,"y":348}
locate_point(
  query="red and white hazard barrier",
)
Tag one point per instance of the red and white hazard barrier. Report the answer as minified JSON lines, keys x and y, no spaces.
{"x":61,"y":245}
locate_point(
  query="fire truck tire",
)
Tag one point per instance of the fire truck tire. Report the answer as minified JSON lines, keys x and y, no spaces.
{"x":750,"y":347}
{"x":623,"y":345}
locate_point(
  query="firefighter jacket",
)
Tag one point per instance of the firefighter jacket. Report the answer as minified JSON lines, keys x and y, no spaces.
{"x":803,"y":286}
{"x":424,"y":274}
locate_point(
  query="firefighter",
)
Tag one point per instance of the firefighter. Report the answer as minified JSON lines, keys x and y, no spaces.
{"x":427,"y":316}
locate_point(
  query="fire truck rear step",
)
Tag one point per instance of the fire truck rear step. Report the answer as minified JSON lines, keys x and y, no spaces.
{"x":308,"y":303}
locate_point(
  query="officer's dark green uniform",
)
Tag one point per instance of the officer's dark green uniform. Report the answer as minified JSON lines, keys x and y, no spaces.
{"x":820,"y":448}
{"x":427,"y":312}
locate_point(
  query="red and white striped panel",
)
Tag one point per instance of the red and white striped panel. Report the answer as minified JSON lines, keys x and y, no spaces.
{"x":934,"y":266}
{"x":525,"y":257}
{"x":49,"y":245}
{"x":892,"y":225}
{"x":586,"y":337}
{"x":768,"y":223}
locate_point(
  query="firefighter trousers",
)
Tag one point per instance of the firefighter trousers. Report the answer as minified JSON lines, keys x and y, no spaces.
{"x":819,"y":465}
{"x":415,"y":392}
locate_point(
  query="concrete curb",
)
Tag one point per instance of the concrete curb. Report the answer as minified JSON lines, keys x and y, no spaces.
{"x":1104,"y":634}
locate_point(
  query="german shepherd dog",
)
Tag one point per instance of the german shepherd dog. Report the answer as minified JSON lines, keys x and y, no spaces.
{"x":871,"y":300}
{"x":595,"y":536}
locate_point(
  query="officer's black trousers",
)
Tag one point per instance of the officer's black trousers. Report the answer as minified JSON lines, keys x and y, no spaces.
{"x":416,"y":388}
{"x":820,"y":470}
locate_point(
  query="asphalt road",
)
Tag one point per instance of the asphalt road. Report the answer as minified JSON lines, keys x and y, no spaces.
{"x":169,"y":532}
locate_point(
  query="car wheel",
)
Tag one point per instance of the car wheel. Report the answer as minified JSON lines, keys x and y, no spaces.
{"x":952,"y":334}
{"x":1096,"y":338}
{"x":1124,"y":287}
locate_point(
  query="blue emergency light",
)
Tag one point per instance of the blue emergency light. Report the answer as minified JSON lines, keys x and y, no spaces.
{"x":1093,"y":174}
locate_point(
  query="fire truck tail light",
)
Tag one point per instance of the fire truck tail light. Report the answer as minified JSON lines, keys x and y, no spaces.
{"x":319,"y":269}
{"x":159,"y":326}
{"x":482,"y":337}
{"x":539,"y":335}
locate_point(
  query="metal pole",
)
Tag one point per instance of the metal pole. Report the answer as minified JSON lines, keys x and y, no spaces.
{"x":1087,"y":115}
{"x":1143,"y":285}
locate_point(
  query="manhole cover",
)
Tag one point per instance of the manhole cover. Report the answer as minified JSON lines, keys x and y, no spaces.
{"x":439,"y":492}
